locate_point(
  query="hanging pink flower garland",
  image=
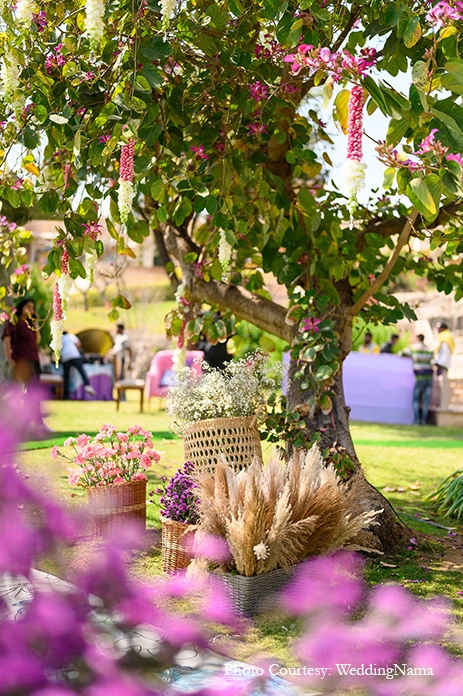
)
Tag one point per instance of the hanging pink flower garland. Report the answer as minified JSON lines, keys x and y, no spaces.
{"x":60,"y":300}
{"x":336,"y":65}
{"x":354,"y":168}
{"x":126,"y":188}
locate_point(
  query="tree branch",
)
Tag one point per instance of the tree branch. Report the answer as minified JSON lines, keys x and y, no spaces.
{"x":383,"y":276}
{"x":388,"y":228}
{"x":267,"y":315}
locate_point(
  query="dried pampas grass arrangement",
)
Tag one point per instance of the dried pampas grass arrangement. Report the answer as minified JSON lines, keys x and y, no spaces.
{"x":274,"y":516}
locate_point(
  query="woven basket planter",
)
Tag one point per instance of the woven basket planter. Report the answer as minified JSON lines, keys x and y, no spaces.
{"x":255,"y":594}
{"x":236,"y":438}
{"x":111,"y":507}
{"x":176,"y":545}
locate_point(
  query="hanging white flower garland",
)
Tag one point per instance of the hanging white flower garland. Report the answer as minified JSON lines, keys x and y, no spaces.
{"x":94,"y":25}
{"x":24,"y":10}
{"x":9,"y":76}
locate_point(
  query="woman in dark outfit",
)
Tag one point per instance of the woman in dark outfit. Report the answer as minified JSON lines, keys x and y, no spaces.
{"x":21,"y":347}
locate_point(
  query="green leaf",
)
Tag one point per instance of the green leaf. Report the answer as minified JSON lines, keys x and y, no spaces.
{"x":157,"y":189}
{"x":341,"y":104}
{"x":306,"y":201}
{"x":121,"y":301}
{"x":434,"y":184}
{"x":182,"y":211}
{"x":453,"y":79}
{"x":235,"y":7}
{"x":420,"y":74}
{"x":412,"y":33}
{"x":389,"y":176}
{"x":396,"y":131}
{"x":152,"y":76}
{"x":111,"y":229}
{"x":421,"y":197}
{"x":377,"y":94}
{"x":156,"y":48}
{"x":41,"y":113}
{"x":211,"y":204}
{"x":267,"y":344}
{"x":113,"y":315}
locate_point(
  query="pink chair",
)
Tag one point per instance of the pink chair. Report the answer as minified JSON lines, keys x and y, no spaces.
{"x":157,"y":382}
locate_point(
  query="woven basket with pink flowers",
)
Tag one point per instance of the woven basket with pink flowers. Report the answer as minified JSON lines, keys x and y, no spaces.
{"x":111,"y":466}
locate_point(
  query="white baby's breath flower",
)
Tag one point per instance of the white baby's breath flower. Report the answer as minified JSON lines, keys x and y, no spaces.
{"x":24,"y":9}
{"x":225,"y":251}
{"x":57,"y":328}
{"x":125,"y":199}
{"x":94,"y":25}
{"x":167,"y":10}
{"x":91,"y":258}
{"x":9,"y":76}
{"x":64,"y":287}
{"x":178,"y":359}
{"x":261,"y":551}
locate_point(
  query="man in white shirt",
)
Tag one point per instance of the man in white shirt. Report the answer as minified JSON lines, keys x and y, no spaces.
{"x":71,"y":357}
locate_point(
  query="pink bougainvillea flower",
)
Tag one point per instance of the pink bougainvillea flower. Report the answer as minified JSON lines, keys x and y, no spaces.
{"x":298,"y":60}
{"x":92,"y":229}
{"x":310,"y":324}
{"x":429,"y":144}
{"x":199,"y":152}
{"x":443,"y":13}
{"x":256,"y":128}
{"x":258,"y":90}
{"x":455,"y":157}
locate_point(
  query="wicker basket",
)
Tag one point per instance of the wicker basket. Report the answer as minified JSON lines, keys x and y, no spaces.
{"x":176,"y":545}
{"x":236,"y":438}
{"x":113,"y":506}
{"x":255,"y":594}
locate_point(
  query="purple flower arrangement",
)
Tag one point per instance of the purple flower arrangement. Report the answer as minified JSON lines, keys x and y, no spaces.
{"x":179,"y":501}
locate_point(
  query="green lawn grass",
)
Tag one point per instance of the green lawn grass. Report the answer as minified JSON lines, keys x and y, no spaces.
{"x":405,"y":463}
{"x":142,"y":315}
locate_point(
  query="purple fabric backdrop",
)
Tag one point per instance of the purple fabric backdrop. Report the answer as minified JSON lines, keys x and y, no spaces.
{"x":379,"y":388}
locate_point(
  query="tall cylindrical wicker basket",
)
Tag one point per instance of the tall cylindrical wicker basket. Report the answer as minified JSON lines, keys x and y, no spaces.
{"x":236,"y":438}
{"x":176,"y":545}
{"x":113,"y":506}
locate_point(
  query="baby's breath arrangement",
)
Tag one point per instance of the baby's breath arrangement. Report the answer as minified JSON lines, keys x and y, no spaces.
{"x":238,"y":390}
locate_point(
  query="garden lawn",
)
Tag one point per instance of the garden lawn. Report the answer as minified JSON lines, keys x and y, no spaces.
{"x":142,"y":315}
{"x":405,"y":463}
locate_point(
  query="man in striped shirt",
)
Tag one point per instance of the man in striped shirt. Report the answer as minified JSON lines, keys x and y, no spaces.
{"x":422,"y":357}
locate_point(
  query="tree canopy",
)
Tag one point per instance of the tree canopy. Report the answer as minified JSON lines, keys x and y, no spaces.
{"x":201,"y":121}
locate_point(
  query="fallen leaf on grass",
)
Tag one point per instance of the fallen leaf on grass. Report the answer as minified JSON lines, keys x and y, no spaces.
{"x":388,"y":565}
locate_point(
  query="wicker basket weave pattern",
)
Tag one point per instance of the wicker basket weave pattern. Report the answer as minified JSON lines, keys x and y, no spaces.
{"x":176,"y":545}
{"x":236,"y":438}
{"x":113,"y":506}
{"x":252,"y":595}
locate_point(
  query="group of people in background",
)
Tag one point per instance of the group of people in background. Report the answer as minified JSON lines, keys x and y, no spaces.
{"x":426,"y":363}
{"x":21,"y":340}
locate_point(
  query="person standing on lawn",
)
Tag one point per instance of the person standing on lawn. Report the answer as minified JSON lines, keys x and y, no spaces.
{"x":71,"y":357}
{"x":368,"y":345}
{"x":423,"y":358}
{"x":444,"y":351}
{"x":21,"y":341}
{"x":388,"y":346}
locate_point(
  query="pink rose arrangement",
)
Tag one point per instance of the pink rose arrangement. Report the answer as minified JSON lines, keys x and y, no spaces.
{"x":110,"y":457}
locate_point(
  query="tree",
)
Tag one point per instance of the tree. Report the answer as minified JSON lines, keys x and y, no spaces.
{"x":201,"y":121}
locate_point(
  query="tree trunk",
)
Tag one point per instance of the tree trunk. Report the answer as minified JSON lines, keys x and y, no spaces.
{"x":335,"y":436}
